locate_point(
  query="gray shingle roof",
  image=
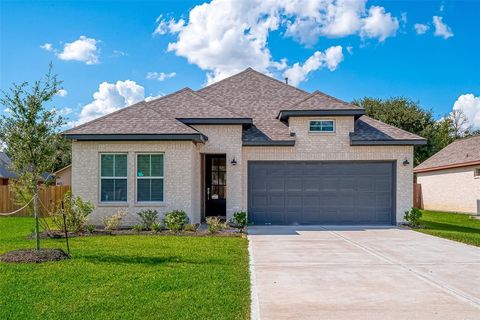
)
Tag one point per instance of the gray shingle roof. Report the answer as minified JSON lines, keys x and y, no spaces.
{"x":248,"y":94}
{"x":368,"y":130}
{"x":459,"y":153}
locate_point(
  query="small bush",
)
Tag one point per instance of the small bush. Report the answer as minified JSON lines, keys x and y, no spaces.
{"x":240,"y":219}
{"x":175,"y":220}
{"x":148,"y":217}
{"x":192,"y":227}
{"x":215,"y":224}
{"x":413,"y":217}
{"x":137,"y":228}
{"x":113,"y":222}
{"x":76,"y":212}
{"x":91,"y":228}
{"x":156,"y":227}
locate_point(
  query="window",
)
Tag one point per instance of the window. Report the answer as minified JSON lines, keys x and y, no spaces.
{"x":113,"y":178}
{"x":150,"y":177}
{"x":322,"y":126}
{"x":476,"y":173}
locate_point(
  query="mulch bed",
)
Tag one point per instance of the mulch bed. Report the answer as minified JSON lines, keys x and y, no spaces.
{"x":56,"y":234}
{"x":34,"y":256}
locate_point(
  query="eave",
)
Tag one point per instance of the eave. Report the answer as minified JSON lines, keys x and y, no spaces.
{"x":399,"y":142}
{"x":195,"y":137}
{"x":285,"y":114}
{"x":217,"y":121}
{"x":449,"y":166}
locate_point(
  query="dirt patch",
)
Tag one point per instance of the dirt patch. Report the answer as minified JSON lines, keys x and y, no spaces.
{"x":34,"y":256}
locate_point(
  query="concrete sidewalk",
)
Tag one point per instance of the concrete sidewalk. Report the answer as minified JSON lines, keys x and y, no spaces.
{"x":319,"y":272}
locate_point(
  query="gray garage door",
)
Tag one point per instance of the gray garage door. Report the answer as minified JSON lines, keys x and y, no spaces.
{"x":321,"y":192}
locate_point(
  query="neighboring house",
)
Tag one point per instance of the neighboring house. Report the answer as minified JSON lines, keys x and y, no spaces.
{"x":63,"y":177}
{"x":5,"y":173}
{"x":248,"y":142}
{"x":450,"y":179}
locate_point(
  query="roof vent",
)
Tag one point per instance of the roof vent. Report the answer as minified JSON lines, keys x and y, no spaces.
{"x":286,"y":80}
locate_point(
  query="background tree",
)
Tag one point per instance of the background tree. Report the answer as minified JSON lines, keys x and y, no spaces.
{"x":31,"y":134}
{"x":459,"y":123}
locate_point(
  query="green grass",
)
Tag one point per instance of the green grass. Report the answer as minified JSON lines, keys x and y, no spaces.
{"x":453,"y":226}
{"x":126,"y":277}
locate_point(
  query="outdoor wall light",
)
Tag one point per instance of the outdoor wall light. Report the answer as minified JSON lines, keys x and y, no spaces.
{"x":406,"y":162}
{"x":233,"y":162}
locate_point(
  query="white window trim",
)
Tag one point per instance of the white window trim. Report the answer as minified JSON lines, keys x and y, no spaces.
{"x":110,"y":203}
{"x":323,"y":132}
{"x":137,"y":178}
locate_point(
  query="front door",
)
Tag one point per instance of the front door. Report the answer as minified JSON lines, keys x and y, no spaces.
{"x":215,"y":185}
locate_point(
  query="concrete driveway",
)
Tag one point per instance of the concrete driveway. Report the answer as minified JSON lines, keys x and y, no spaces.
{"x":361,"y":273}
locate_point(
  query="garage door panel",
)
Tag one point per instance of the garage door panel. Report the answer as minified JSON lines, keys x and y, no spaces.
{"x":321,"y":192}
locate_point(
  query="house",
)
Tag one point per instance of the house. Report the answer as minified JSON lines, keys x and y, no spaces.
{"x":5,"y":173}
{"x":63,"y":177}
{"x":248,"y":142}
{"x":450,"y":179}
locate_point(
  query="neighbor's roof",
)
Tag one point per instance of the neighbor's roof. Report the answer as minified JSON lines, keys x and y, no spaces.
{"x":460,"y":153}
{"x":249,"y":98}
{"x":5,"y":163}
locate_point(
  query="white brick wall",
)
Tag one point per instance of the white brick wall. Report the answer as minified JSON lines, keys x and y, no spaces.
{"x":453,"y":190}
{"x":182,"y":187}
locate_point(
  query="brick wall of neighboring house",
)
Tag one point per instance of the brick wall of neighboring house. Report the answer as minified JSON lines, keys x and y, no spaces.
{"x":336,"y":146}
{"x":183,"y":171}
{"x":455,"y":190}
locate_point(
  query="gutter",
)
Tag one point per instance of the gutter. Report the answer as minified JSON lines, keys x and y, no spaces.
{"x":195,"y":137}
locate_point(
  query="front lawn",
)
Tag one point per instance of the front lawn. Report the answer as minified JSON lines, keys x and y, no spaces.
{"x":126,"y":277}
{"x":453,"y":226}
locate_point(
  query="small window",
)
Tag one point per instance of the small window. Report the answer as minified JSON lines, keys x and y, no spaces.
{"x":150,"y":177}
{"x":113,"y":178}
{"x":322,"y":126}
{"x":476,"y":173}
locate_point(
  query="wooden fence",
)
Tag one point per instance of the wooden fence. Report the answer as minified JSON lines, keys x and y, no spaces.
{"x":48,"y":198}
{"x":417,"y":196}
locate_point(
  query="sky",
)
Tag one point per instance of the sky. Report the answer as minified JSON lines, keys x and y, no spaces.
{"x":110,"y":54}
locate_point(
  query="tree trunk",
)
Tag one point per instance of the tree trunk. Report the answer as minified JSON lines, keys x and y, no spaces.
{"x":37,"y":227}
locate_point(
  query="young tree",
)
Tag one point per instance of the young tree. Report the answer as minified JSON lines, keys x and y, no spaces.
{"x":31,"y":134}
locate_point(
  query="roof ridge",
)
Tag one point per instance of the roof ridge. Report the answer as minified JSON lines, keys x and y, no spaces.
{"x":168,"y":116}
{"x":249,"y":69}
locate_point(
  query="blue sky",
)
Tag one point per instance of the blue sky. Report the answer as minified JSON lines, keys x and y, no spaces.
{"x":347,"y":49}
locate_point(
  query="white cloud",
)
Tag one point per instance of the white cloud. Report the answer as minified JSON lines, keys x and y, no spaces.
{"x":329,"y":59}
{"x":84,"y":49}
{"x":224,"y":37}
{"x":62,"y":93}
{"x":64,"y":111}
{"x":47,"y":46}
{"x":160,"y":76}
{"x":150,"y":98}
{"x":111,"y":97}
{"x":421,"y":28}
{"x":350,"y":49}
{"x":379,"y":24}
{"x":470,"y":105}
{"x":441,"y":29}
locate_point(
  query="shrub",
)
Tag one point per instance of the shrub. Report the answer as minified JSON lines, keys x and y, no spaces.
{"x":76,"y":212}
{"x":156,"y":227}
{"x":215,"y":224}
{"x":137,"y":228}
{"x":112,"y":222}
{"x":191,"y":227}
{"x":413,"y":217}
{"x":91,"y":228}
{"x":175,"y":220}
{"x":240,"y":219}
{"x":148,"y":218}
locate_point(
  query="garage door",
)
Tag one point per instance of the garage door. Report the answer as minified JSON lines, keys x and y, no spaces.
{"x":321,"y":192}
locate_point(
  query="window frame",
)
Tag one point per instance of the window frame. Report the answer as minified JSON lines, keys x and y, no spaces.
{"x":155,"y":177}
{"x":100,"y":177}
{"x":476,"y":173}
{"x":322,"y":120}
